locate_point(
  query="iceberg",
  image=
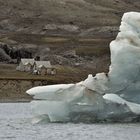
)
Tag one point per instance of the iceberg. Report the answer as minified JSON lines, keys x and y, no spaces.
{"x":106,"y":97}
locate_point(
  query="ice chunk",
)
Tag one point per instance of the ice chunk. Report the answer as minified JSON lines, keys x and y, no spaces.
{"x":135,"y":108}
{"x":113,"y":96}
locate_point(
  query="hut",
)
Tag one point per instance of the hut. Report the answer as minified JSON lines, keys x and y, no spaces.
{"x":26,"y":65}
{"x":44,"y":68}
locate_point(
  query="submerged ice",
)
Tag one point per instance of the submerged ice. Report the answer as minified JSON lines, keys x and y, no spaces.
{"x":114,"y":96}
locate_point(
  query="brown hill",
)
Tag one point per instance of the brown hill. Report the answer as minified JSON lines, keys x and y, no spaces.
{"x":32,"y":16}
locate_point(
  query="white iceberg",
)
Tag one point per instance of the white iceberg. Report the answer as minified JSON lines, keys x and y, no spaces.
{"x":106,"y":97}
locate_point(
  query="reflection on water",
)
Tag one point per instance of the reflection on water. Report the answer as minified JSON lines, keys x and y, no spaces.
{"x":15,"y":124}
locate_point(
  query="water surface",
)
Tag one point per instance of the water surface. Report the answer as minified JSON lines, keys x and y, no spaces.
{"x":15,"y":124}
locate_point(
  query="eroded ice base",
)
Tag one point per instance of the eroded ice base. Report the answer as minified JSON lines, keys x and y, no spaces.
{"x":106,"y":97}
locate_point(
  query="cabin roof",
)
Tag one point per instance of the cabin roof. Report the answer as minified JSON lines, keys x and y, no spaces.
{"x":41,"y":64}
{"x":27,"y":61}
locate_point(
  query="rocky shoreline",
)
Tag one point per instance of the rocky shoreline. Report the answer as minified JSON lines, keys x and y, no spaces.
{"x":15,"y":100}
{"x":15,"y":90}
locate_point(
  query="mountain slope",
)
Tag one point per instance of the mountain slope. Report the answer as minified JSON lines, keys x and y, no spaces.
{"x":32,"y":16}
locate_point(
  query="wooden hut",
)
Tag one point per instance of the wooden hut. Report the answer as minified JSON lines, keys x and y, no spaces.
{"x":43,"y":68}
{"x":26,"y":65}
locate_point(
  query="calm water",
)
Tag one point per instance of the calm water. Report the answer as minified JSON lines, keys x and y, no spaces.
{"x":15,"y":124}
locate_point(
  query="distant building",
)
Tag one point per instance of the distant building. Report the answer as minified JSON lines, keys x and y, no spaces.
{"x":36,"y":67}
{"x":26,"y":65}
{"x":43,"y":68}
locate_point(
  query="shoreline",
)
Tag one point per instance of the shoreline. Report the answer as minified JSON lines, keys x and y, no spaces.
{"x":15,"y":100}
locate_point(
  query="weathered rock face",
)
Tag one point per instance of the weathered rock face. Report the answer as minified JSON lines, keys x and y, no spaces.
{"x":3,"y":56}
{"x":8,"y":53}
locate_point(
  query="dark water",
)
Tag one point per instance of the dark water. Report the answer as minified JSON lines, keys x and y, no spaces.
{"x":15,"y":124}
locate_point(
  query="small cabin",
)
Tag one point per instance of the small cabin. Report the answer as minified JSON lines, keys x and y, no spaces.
{"x":26,"y":65}
{"x":44,"y":68}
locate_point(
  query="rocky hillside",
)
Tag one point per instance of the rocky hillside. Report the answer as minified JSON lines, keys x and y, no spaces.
{"x":71,"y":32}
{"x":55,"y":16}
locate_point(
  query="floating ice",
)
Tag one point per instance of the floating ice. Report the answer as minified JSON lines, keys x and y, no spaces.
{"x":106,"y":97}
